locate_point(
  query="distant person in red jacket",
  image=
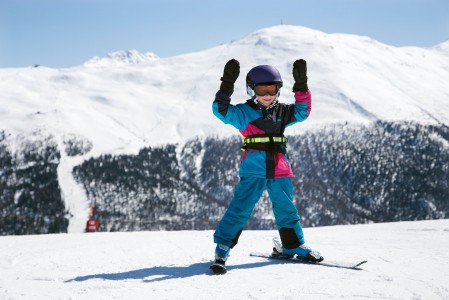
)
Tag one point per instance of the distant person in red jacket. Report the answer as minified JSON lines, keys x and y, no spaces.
{"x":92,"y":224}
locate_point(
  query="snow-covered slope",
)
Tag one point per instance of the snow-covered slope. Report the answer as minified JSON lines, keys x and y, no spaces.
{"x":129,"y":99}
{"x":406,"y":260}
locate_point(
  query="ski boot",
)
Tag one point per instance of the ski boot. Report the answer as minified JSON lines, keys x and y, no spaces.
{"x":302,"y":252}
{"x":221,"y":255}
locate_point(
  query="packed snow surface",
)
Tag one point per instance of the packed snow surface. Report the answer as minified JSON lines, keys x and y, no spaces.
{"x":406,"y":260}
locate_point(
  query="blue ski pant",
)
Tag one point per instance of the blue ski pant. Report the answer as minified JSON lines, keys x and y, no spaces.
{"x":247,"y":193}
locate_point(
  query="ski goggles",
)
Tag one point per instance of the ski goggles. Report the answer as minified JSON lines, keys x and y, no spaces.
{"x":262,"y":90}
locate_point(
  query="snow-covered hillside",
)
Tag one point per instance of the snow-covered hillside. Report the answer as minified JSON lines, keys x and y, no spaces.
{"x":127,"y":99}
{"x":406,"y":260}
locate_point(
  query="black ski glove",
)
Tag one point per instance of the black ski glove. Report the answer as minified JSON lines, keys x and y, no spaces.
{"x":230,"y":74}
{"x":300,"y":75}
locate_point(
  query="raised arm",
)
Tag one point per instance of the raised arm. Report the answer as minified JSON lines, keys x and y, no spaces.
{"x":303,"y":98}
{"x":222,"y":107}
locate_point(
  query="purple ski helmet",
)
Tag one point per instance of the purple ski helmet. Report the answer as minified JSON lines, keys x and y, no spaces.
{"x":263,"y":74}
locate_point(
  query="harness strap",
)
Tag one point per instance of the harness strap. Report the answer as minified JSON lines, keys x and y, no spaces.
{"x":264,"y":139}
{"x":272,"y":143}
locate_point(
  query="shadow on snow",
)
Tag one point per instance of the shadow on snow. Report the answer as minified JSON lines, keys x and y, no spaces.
{"x":161,"y":273}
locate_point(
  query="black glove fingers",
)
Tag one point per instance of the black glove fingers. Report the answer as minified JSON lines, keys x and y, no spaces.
{"x":300,"y":75}
{"x":231,"y":71}
{"x":230,"y":74}
{"x":300,"y":69}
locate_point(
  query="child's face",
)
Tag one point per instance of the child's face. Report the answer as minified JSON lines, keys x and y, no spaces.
{"x":266,"y":100}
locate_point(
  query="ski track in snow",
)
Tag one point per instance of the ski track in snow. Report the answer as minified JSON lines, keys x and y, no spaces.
{"x":406,"y":260}
{"x":73,"y":193}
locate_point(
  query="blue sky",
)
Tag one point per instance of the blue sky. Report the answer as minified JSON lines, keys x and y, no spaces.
{"x":64,"y":33}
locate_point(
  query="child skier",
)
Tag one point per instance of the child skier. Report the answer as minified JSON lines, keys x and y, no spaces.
{"x":265,"y":164}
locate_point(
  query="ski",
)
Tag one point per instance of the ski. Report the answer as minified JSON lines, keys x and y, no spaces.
{"x":327,"y":263}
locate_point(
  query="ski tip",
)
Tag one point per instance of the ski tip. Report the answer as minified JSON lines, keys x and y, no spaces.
{"x":360,"y":263}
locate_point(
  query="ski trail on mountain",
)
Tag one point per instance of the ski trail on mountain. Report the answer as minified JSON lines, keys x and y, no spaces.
{"x":73,"y":194}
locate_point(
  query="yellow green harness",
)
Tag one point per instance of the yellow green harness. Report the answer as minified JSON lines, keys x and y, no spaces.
{"x":271,"y":143}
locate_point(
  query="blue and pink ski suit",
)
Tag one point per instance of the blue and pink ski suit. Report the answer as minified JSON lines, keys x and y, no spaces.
{"x":262,"y":169}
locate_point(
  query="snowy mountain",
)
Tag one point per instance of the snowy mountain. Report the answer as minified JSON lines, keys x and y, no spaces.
{"x":406,"y":260}
{"x":121,"y":58}
{"x":127,"y":104}
{"x":128,"y":100}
